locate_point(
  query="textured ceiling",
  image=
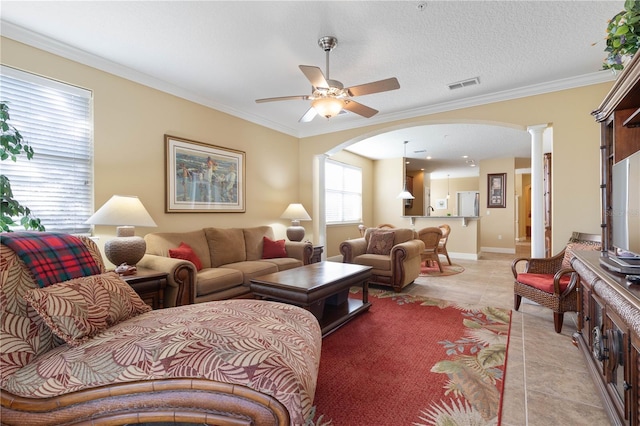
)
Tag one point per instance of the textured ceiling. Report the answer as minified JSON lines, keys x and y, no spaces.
{"x":227,"y":54}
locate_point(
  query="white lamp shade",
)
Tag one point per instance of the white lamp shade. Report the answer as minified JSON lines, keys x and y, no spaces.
{"x":125,"y":212}
{"x":122,"y":210}
{"x":405,"y":195}
{"x":295,"y":211}
{"x":327,"y":107}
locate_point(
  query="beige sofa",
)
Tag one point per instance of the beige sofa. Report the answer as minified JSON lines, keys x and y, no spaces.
{"x":394,"y":255}
{"x":230,"y":258}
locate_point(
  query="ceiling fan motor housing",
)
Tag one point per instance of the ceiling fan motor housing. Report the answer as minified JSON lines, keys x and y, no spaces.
{"x":327,"y":43}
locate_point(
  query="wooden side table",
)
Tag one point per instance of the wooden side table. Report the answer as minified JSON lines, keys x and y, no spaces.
{"x":150,"y":285}
{"x":317,"y":254}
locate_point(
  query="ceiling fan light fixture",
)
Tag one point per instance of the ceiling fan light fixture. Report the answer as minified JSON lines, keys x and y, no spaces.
{"x":327,"y":107}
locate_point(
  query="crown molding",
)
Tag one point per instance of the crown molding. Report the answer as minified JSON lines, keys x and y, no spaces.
{"x":31,"y":38}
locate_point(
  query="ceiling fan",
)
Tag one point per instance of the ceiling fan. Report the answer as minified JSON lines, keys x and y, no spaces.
{"x":329,"y":97}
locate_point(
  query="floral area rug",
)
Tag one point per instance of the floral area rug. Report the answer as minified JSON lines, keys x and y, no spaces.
{"x":412,"y":360}
{"x":434,"y":271}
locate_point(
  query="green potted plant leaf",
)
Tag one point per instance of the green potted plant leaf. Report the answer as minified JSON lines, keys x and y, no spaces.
{"x":623,"y":36}
{"x":11,"y":146}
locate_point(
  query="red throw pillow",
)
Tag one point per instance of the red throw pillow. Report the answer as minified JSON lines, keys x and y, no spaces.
{"x":272,"y":249}
{"x":185,"y":252}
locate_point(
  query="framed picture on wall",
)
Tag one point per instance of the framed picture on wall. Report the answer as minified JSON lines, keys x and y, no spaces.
{"x":203,"y":178}
{"x":496,"y":190}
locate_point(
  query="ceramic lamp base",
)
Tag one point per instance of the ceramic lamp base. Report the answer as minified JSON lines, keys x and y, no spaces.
{"x":295,"y":233}
{"x":125,"y":248}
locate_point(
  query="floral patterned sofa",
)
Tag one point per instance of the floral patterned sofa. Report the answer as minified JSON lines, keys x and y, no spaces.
{"x":88,"y":350}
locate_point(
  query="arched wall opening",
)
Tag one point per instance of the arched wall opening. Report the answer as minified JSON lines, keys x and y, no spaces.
{"x":382,"y":179}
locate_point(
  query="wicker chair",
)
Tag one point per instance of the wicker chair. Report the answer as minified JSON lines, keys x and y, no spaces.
{"x":551,"y":282}
{"x":385,"y":226}
{"x":431,"y":238}
{"x":442,"y":246}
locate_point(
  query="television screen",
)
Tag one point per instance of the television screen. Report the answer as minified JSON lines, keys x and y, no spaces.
{"x":625,"y":202}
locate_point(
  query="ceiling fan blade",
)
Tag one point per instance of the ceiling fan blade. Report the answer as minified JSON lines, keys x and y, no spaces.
{"x":359,"y":109}
{"x":284,"y":98}
{"x":308,"y":116}
{"x":315,"y":76}
{"x":374,"y":87}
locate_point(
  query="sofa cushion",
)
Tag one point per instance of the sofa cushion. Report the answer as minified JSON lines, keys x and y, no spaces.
{"x":378,"y":262}
{"x":253,"y":268}
{"x":273,"y":249}
{"x":273,"y":348}
{"x":211,"y":280}
{"x":253,"y":240}
{"x":284,"y":263}
{"x":543,"y":282}
{"x":380,"y":242}
{"x":78,"y":309}
{"x":226,"y":245}
{"x":160,"y":243}
{"x":23,"y":333}
{"x":185,"y":252}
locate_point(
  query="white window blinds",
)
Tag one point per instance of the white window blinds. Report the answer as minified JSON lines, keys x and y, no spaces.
{"x":343,"y":192}
{"x":56,"y":119}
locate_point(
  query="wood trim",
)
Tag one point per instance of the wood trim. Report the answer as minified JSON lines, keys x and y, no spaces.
{"x":625,"y":87}
{"x":189,"y":400}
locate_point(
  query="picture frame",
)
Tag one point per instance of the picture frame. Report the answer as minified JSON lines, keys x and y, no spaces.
{"x":441,"y":204}
{"x":203,"y":178}
{"x":496,"y":190}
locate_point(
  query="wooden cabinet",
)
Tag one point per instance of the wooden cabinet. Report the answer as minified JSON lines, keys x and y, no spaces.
{"x":609,"y":336}
{"x":619,"y":115}
{"x":609,"y":318}
{"x":149,"y":285}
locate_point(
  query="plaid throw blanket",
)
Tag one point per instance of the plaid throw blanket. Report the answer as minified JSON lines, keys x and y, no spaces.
{"x":51,"y":257}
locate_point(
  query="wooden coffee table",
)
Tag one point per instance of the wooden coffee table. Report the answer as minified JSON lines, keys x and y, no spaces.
{"x":322,"y":288}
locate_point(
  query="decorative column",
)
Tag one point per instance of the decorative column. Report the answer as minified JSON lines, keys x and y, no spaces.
{"x":320,"y":221}
{"x":537,"y":190}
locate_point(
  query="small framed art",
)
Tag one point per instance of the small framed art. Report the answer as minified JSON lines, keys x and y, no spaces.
{"x":496,"y":186}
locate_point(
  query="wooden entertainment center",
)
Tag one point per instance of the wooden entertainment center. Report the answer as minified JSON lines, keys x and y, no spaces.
{"x":609,"y":321}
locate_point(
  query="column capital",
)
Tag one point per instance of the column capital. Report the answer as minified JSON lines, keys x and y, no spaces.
{"x":537,"y":128}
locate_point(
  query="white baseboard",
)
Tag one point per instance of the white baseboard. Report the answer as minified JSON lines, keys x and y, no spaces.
{"x":464,"y":256}
{"x":498,"y":250}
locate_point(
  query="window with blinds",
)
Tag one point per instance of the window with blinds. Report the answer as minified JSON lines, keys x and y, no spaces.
{"x":343,"y":192}
{"x":56,"y":120}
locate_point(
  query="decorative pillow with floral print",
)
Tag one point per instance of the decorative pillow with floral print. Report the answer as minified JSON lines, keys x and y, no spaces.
{"x":78,"y":309}
{"x":380,"y":242}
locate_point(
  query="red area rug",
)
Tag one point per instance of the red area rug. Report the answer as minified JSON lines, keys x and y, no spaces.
{"x":414,"y":361}
{"x":434,"y":271}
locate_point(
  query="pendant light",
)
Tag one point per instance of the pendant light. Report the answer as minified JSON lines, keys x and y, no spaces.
{"x":405,"y":195}
{"x":448,"y":187}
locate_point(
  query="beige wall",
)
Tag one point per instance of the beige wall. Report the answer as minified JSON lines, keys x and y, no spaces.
{"x":575,"y":168}
{"x":130,"y":123}
{"x":131,"y":119}
{"x":498,"y":224}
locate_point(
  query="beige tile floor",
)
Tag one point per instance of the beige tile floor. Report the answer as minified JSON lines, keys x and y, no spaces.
{"x":546,"y":382}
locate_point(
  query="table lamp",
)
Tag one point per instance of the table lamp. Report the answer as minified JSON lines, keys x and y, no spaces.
{"x":126,"y":212}
{"x":296,"y":213}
